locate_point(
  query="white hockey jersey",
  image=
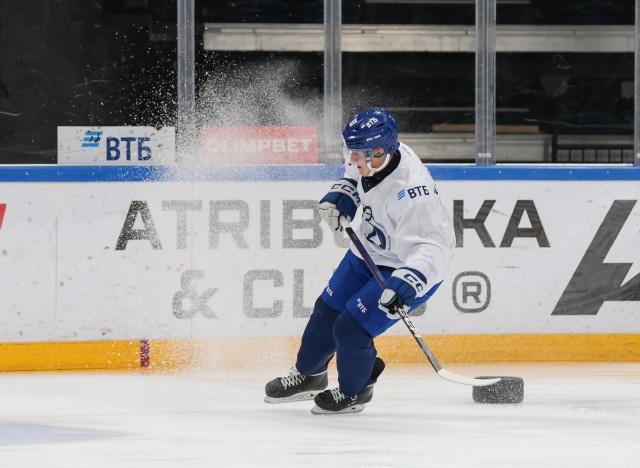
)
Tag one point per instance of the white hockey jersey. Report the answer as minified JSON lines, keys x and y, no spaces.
{"x":404,"y":222}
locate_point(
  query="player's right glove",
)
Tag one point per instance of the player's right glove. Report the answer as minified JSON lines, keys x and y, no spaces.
{"x":401,"y":290}
{"x":342,"y":200}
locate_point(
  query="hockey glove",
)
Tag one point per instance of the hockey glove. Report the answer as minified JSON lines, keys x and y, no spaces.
{"x":342,"y":200}
{"x":401,"y":290}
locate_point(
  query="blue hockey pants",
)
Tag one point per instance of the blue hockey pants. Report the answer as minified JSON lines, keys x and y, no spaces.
{"x":344,"y":321}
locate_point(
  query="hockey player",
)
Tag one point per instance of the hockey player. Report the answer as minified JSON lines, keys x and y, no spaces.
{"x":409,"y":235}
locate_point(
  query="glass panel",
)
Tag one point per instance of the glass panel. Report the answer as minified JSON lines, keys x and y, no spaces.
{"x":428,"y":12}
{"x":261,"y":83}
{"x":422,"y":70}
{"x":565,"y":81}
{"x":420,"y":67}
{"x":564,"y":90}
{"x":566,"y":12}
{"x":96,"y":63}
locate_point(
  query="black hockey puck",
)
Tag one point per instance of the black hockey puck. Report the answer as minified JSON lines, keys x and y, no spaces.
{"x":508,"y":390}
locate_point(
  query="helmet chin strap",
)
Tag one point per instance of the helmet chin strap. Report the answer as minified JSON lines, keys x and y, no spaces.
{"x":372,"y":170}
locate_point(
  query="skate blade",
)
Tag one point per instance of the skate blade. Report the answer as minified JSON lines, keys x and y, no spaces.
{"x":350,"y":410}
{"x":305,"y":396}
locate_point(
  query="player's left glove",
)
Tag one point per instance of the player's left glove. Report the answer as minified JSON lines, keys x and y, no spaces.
{"x":401,"y":290}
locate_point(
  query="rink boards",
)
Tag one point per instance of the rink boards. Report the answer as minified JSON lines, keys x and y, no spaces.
{"x":124,"y":267}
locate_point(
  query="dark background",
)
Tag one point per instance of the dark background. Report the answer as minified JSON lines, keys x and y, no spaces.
{"x":100,"y":62}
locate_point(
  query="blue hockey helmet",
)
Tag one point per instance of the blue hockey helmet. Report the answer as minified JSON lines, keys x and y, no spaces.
{"x":370,"y":129}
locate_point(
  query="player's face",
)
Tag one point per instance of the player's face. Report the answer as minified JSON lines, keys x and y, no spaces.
{"x":358,"y":158}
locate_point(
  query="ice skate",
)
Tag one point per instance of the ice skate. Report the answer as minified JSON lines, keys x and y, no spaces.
{"x":336,"y":402}
{"x":295,"y":387}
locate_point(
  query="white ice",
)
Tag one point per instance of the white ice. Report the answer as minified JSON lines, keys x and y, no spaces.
{"x":573,"y":416}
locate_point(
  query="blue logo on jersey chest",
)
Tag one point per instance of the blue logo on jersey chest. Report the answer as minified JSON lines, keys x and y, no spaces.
{"x":418,"y":191}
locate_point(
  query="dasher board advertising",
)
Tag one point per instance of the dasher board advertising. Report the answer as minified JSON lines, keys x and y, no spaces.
{"x":225,"y":258}
{"x":259,"y":145}
{"x":80,"y":146}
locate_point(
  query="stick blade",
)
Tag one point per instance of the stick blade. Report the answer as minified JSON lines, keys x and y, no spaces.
{"x":473,"y":382}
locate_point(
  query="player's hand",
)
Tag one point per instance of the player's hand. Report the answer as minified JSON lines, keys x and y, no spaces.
{"x":342,"y":200}
{"x":330,"y":214}
{"x":401,"y":290}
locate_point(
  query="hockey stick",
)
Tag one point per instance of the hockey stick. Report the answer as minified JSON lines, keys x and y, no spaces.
{"x":445,"y":374}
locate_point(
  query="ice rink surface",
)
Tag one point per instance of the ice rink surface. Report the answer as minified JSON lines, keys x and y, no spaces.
{"x":585,"y":415}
